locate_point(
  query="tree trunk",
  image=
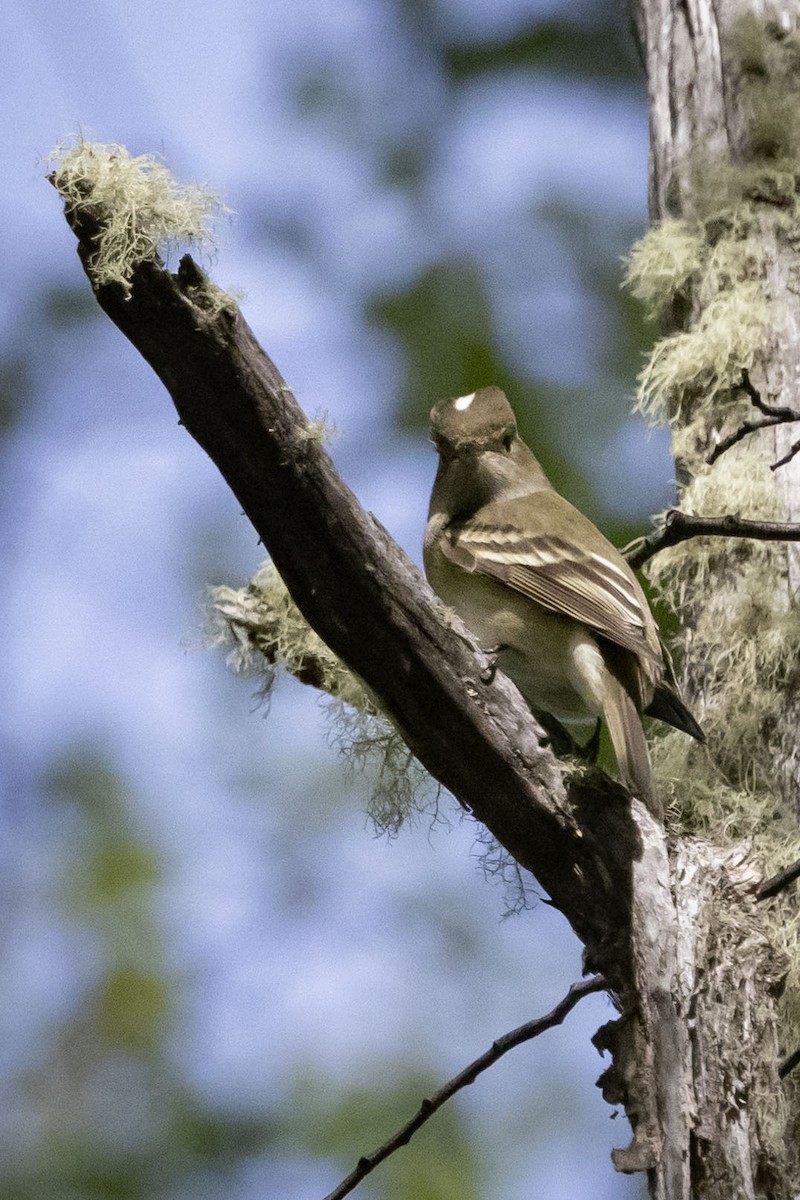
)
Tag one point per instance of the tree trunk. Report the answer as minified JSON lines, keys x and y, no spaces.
{"x":720,"y":271}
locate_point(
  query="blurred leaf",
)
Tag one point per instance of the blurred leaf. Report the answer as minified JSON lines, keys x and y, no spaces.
{"x":599,"y":51}
{"x":406,"y":162}
{"x":132,"y":1009}
{"x":16,"y":390}
{"x":439,"y":1163}
{"x":118,"y":867}
{"x":550,"y":415}
{"x":324,"y":92}
{"x":443,"y":323}
{"x":109,"y":1183}
{"x":221,"y":1137}
{"x":85,"y":778}
{"x":67,"y":307}
{"x":597,"y":244}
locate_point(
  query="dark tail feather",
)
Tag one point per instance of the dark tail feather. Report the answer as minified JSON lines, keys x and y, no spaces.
{"x":630,"y":747}
{"x":667,"y":706}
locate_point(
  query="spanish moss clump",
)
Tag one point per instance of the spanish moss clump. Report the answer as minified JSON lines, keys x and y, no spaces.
{"x":401,"y":790}
{"x":321,"y":429}
{"x":143,"y":210}
{"x":266,"y":635}
{"x":693,"y":368}
{"x":714,"y":268}
{"x":661,"y":265}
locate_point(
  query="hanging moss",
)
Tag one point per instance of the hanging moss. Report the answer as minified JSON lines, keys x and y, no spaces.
{"x":145,"y":211}
{"x":662,"y":265}
{"x":765,"y":56}
{"x":266,"y":635}
{"x":693,"y":369}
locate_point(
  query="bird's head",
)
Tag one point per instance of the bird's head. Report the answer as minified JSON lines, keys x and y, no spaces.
{"x":482,"y":421}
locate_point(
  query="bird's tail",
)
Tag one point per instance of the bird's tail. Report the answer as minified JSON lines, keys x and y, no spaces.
{"x":628,"y":740}
{"x":667,"y":706}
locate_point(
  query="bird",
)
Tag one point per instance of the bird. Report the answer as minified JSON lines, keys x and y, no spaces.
{"x":552,"y":600}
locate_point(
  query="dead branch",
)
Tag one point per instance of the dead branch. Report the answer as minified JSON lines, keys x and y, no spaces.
{"x":788,"y":456}
{"x":524,"y":1033}
{"x":772,"y":415}
{"x":599,"y":854}
{"x":778,"y":882}
{"x":679,"y":527}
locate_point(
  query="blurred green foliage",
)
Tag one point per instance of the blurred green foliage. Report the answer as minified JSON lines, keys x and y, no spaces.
{"x":439,"y":1163}
{"x":15,"y":389}
{"x":598,"y":48}
{"x":443,"y":323}
{"x":65,"y":308}
{"x":115,"y":1118}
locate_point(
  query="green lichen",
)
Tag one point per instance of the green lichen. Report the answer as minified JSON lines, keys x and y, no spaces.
{"x":661,"y":266}
{"x":143,"y":210}
{"x":691,"y":369}
{"x":748,"y":44}
{"x":765,"y":57}
{"x":266,"y":635}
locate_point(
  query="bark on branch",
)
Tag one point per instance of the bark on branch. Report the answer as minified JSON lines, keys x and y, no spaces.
{"x":722,"y":91}
{"x":678,"y":527}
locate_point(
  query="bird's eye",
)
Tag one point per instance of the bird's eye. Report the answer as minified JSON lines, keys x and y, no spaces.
{"x":508,"y":440}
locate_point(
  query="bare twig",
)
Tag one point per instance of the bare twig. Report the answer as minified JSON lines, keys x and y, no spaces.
{"x":679,"y":527}
{"x":776,"y":883}
{"x":744,"y":429}
{"x":788,"y":456}
{"x":789,"y":1064}
{"x":781,"y":412}
{"x":773,"y":415}
{"x":524,"y":1033}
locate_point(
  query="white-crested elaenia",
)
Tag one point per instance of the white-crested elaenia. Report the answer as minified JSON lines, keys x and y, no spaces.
{"x":542,"y":588}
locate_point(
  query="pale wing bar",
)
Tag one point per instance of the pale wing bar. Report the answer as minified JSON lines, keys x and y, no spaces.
{"x":590,"y":588}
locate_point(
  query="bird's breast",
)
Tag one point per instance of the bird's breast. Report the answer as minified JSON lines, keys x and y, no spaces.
{"x":554,"y":661}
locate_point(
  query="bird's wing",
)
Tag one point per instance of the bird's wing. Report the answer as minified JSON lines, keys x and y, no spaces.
{"x":592,"y":585}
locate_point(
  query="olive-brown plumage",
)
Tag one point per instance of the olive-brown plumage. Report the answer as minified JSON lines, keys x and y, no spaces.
{"x":535,"y":579}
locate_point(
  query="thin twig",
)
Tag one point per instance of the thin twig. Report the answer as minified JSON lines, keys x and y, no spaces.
{"x":780,"y":411}
{"x":773,"y":415}
{"x":744,"y":429}
{"x":789,"y":1064}
{"x":776,"y":883}
{"x":428,"y":1107}
{"x":793,"y":450}
{"x":679,"y":527}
